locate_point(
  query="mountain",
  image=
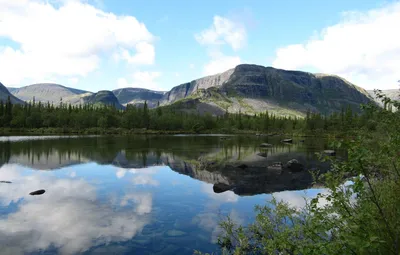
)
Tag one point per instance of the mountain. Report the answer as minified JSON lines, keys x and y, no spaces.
{"x":253,"y":88}
{"x":50,"y":92}
{"x":4,"y":94}
{"x":393,"y":94}
{"x":138,"y":96}
{"x":103,"y":97}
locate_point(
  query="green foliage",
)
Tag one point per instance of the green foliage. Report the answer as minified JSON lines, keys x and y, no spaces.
{"x":173,"y":118}
{"x":357,"y":217}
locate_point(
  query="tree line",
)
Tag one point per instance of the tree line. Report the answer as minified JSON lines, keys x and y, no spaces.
{"x":35,"y":115}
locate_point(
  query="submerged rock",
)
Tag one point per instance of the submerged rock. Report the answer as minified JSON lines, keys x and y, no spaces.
{"x":37,"y":192}
{"x":265,"y":145}
{"x":294,"y":165}
{"x":243,"y":166}
{"x":330,"y":152}
{"x":262,"y":154}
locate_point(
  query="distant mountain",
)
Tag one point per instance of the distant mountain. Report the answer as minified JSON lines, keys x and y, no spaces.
{"x":393,"y":94}
{"x":252,"y":88}
{"x":103,"y":97}
{"x":4,"y":94}
{"x":138,"y":96}
{"x":246,"y":88}
{"x":50,"y":92}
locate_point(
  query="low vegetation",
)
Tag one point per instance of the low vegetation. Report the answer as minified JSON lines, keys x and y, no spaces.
{"x":361,"y":216}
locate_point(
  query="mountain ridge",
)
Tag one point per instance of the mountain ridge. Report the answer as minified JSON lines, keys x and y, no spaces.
{"x":247,"y":88}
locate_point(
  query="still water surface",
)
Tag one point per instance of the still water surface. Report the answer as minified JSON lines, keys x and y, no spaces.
{"x":140,"y":194}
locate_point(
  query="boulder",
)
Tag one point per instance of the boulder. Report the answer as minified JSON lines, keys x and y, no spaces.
{"x":37,"y":192}
{"x":287,"y":140}
{"x":265,"y":145}
{"x":294,"y":165}
{"x":221,"y":187}
{"x":243,"y":166}
{"x":330,"y":152}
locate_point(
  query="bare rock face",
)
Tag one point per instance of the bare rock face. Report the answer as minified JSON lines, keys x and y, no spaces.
{"x":262,"y":88}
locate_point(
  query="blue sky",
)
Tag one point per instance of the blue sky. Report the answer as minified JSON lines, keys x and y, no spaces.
{"x":155,"y":44}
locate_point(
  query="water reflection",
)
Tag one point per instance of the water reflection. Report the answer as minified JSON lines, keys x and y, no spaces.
{"x":69,"y":217}
{"x":238,"y":163}
{"x":138,"y":195}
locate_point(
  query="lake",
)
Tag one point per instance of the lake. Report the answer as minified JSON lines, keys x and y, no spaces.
{"x":141,"y":194}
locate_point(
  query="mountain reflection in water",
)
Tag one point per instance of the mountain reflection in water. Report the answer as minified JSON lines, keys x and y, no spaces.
{"x":119,"y":195}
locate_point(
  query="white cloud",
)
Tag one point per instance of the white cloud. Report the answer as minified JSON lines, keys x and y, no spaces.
{"x":141,"y":79}
{"x":191,"y":66}
{"x":67,"y":39}
{"x":145,"y":180}
{"x":221,"y":64}
{"x":223,"y":31}
{"x":363,"y":48}
{"x":73,"y":80}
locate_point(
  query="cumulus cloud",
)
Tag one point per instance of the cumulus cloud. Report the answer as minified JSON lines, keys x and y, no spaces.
{"x":363,"y":48}
{"x":67,"y":39}
{"x":139,"y":79}
{"x":223,"y":31}
{"x":68,"y":216}
{"x":221,"y":63}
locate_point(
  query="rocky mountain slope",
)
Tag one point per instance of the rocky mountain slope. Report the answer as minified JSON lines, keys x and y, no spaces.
{"x":4,"y":94}
{"x":253,"y":88}
{"x":49,"y":92}
{"x":138,"y":96}
{"x":393,"y":94}
{"x":246,"y":88}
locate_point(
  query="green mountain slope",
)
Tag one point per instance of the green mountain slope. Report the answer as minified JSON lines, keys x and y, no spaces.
{"x":103,"y":97}
{"x":137,"y":96}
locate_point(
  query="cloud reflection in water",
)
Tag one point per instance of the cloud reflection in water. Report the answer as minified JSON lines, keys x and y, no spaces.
{"x":68,"y":216}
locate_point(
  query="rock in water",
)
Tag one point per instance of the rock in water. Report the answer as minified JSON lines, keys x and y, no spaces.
{"x":243,"y":166}
{"x":5,"y":182}
{"x":221,"y":187}
{"x":37,"y":192}
{"x":287,"y":140}
{"x":330,"y":152}
{"x":262,"y":154}
{"x":294,"y":165}
{"x":265,"y":145}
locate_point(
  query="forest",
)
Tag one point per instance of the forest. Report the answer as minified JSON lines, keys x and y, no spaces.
{"x":103,"y":119}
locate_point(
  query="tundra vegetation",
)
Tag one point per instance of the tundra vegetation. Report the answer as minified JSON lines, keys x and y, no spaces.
{"x":360,"y":216}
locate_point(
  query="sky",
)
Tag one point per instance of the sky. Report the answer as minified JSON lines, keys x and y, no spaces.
{"x":158,"y":44}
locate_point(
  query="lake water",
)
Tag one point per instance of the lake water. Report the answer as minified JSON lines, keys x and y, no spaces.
{"x":140,"y":194}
